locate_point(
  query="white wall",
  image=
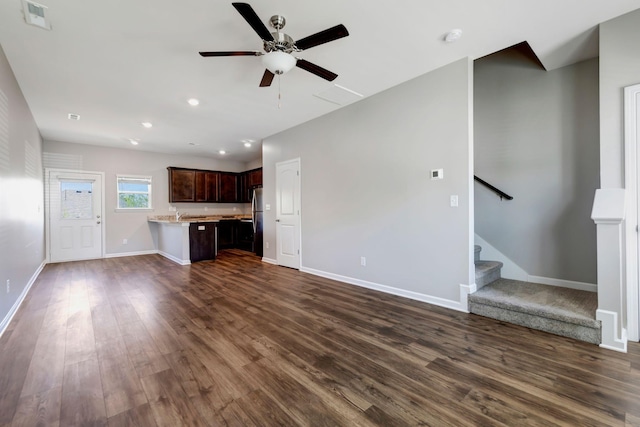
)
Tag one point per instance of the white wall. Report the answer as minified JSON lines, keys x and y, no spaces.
{"x":366,"y":188}
{"x":537,"y":139}
{"x":21,"y":193}
{"x":133,"y":226}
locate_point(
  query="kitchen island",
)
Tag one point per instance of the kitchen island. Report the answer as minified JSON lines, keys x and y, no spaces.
{"x":196,"y":237}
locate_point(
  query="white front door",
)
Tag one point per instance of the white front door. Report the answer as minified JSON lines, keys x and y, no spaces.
{"x":288,"y":213}
{"x":75,"y":216}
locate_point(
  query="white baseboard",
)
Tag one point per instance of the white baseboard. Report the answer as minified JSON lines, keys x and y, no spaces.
{"x":270,"y":261}
{"x":123,"y":254}
{"x":175,"y":259}
{"x":465,"y":291}
{"x":610,"y":338}
{"x":454,"y":305}
{"x":20,"y":300}
{"x":581,"y":286}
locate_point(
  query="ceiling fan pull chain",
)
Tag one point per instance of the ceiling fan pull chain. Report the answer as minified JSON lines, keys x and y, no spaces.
{"x":279,"y":97}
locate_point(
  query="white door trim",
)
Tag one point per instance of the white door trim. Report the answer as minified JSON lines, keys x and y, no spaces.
{"x":47,"y":174}
{"x":632,"y":150}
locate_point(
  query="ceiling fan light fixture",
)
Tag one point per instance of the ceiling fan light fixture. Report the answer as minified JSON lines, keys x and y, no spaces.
{"x":278,"y":62}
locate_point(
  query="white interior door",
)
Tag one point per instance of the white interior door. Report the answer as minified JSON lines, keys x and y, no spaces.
{"x":75,"y":216}
{"x":288,"y":213}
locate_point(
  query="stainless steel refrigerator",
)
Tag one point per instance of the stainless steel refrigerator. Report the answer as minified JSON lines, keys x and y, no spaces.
{"x":257,"y":218}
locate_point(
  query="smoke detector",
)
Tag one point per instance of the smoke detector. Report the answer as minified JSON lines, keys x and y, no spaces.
{"x":453,"y":35}
{"x":34,"y":14}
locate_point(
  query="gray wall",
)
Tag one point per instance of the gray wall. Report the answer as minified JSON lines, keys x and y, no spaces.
{"x":536,"y":138}
{"x":366,"y":188}
{"x":21,"y":197}
{"x":133,"y":226}
{"x":619,"y":67}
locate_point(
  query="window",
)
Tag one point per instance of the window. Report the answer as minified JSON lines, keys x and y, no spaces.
{"x":134,"y":192}
{"x":76,"y":199}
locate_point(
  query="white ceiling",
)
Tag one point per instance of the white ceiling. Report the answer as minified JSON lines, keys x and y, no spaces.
{"x":118,"y":63}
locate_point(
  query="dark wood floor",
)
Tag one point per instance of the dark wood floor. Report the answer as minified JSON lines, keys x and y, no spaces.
{"x":141,"y":341}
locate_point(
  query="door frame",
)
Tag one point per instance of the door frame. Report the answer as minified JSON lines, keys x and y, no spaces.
{"x":47,"y":200}
{"x":632,"y":173}
{"x":299,"y":196}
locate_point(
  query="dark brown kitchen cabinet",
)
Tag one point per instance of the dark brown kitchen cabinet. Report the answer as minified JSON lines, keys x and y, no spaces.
{"x":245,"y":236}
{"x":228,"y":187}
{"x":227,"y":234}
{"x":207,"y":186}
{"x":255,"y":177}
{"x":248,"y":181}
{"x":181,"y":185}
{"x":202,"y":241}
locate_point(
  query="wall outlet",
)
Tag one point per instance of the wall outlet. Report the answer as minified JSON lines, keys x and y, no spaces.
{"x":454,"y":201}
{"x":172,"y":209}
{"x":125,"y":241}
{"x":234,"y":208}
{"x":8,"y":286}
{"x":266,"y":244}
{"x":363,"y":261}
{"x":206,"y":208}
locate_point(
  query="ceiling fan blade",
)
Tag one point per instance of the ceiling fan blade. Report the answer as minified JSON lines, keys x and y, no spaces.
{"x":252,"y":19}
{"x":325,"y":36}
{"x":267,"y":78}
{"x":231,"y":53}
{"x":316,"y":69}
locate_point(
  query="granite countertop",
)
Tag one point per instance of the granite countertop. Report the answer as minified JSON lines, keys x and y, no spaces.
{"x":197,"y":218}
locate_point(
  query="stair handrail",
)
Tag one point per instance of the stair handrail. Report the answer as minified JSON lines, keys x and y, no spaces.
{"x":499,"y":192}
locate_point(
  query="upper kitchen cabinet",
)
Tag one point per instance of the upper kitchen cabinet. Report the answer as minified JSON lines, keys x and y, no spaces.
{"x":202,"y":186}
{"x":207,"y":186}
{"x":228,"y":187}
{"x":182,"y":185}
{"x":255,"y":177}
{"x":249,"y":180}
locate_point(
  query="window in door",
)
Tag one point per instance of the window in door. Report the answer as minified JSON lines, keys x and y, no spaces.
{"x":76,"y":200}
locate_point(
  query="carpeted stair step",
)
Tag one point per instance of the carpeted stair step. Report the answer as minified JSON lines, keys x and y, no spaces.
{"x":561,"y":311}
{"x":487,"y":272}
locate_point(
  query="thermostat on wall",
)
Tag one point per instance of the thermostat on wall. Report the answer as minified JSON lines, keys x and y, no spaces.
{"x":437,"y":174}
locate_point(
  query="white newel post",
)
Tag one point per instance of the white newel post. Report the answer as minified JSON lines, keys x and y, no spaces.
{"x":608,"y":213}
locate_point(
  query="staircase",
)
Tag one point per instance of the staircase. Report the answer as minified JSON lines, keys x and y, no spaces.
{"x":561,"y":311}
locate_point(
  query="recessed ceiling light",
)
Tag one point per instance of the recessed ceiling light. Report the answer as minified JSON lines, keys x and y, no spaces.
{"x":134,"y":141}
{"x":147,"y":124}
{"x":247,"y":144}
{"x":73,"y":116}
{"x":222,"y":152}
{"x":453,"y":35}
{"x":193,"y":102}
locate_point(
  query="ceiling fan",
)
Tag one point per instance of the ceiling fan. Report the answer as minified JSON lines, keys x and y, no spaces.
{"x":279,"y":48}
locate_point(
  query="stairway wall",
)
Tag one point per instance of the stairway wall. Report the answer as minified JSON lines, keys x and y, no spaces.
{"x":537,"y":138}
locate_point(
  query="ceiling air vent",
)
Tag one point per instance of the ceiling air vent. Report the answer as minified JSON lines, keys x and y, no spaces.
{"x":34,"y":14}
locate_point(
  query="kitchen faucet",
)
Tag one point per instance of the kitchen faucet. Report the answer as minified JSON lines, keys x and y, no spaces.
{"x":180,"y":215}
